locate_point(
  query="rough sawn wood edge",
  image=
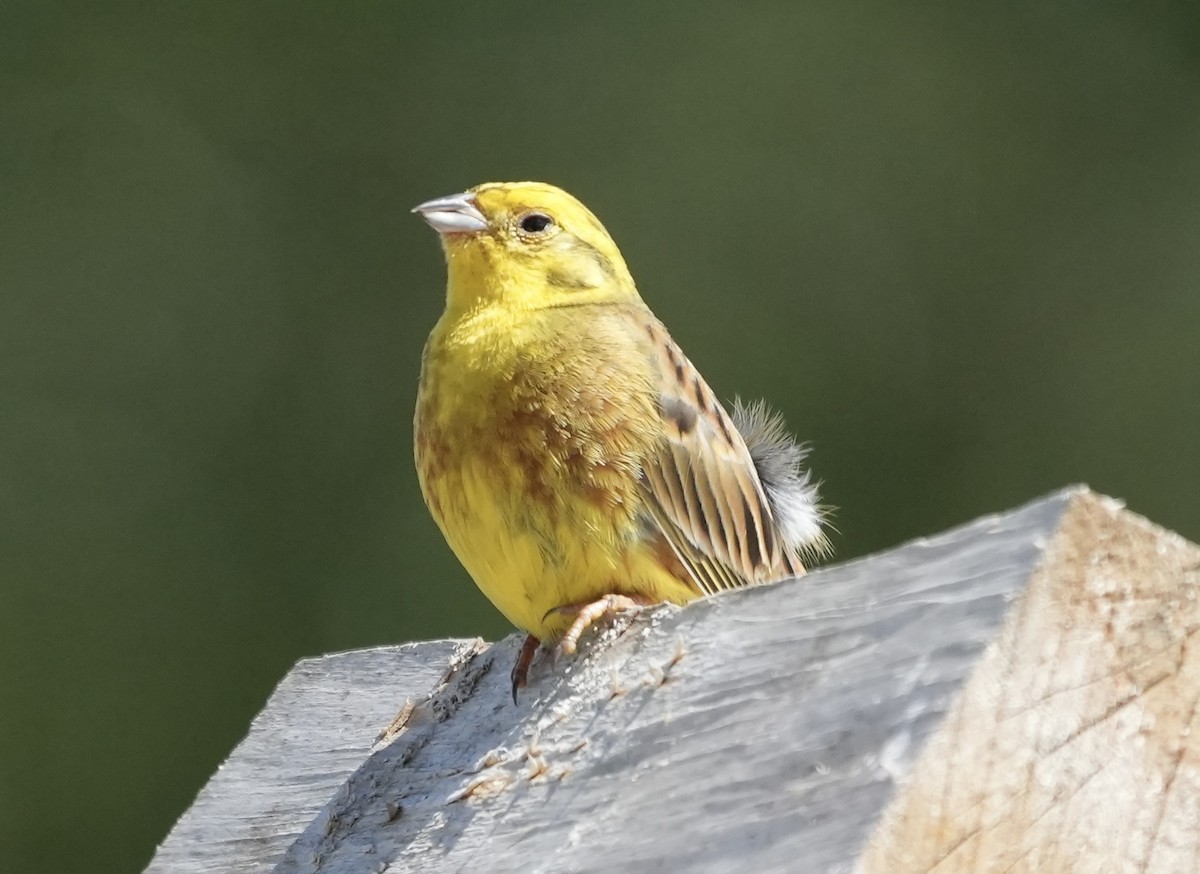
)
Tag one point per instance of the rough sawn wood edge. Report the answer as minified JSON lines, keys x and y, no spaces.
{"x":317,"y":727}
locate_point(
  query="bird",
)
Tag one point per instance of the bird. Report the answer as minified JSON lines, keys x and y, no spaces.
{"x":575,"y":460}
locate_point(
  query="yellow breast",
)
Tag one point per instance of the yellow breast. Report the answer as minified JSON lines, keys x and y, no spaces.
{"x":528,"y":447}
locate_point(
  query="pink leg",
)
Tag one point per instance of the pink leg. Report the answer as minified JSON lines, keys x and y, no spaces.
{"x":587,"y":613}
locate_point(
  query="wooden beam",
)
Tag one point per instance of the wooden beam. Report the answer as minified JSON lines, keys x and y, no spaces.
{"x":765,"y":730}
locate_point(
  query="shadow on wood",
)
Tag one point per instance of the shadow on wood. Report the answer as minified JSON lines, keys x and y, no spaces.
{"x":824,"y":724}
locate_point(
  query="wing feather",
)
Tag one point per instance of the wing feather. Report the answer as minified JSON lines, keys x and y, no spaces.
{"x":702,"y":487}
{"x":709,"y":575}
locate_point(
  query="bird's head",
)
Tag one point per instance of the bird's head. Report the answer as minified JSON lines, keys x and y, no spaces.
{"x":525,"y":245}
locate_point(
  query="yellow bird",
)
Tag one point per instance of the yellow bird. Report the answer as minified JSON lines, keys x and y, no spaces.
{"x":573,"y":457}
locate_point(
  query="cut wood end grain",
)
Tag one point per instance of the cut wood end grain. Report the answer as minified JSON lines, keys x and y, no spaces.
{"x":1075,"y":746}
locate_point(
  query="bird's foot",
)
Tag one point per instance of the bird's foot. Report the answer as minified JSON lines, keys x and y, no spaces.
{"x":592,"y":611}
{"x":520,"y":671}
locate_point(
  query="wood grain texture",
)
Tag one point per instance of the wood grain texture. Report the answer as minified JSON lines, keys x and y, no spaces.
{"x":315,"y":731}
{"x":744,"y":732}
{"x":1076,"y":745}
{"x":825,"y":724}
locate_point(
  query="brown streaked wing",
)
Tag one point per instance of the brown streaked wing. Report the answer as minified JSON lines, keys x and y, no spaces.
{"x":702,"y":487}
{"x":707,"y":574}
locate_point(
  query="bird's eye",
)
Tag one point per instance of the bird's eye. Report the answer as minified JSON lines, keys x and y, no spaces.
{"x":536,"y":223}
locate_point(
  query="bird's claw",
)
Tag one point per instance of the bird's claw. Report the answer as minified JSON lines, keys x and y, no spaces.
{"x":520,"y":671}
{"x":585,"y":615}
{"x":589,"y":613}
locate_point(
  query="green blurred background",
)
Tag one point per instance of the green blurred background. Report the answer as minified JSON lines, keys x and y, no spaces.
{"x":956,"y":243}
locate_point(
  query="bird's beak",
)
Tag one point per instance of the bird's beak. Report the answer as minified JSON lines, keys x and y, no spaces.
{"x":456,"y":214}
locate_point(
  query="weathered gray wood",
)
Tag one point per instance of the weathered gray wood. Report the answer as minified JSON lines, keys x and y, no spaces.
{"x":317,"y":728}
{"x":766,"y":730}
{"x":742,"y":733}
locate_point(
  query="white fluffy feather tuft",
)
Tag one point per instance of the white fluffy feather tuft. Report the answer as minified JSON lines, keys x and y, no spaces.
{"x":790,"y":490}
